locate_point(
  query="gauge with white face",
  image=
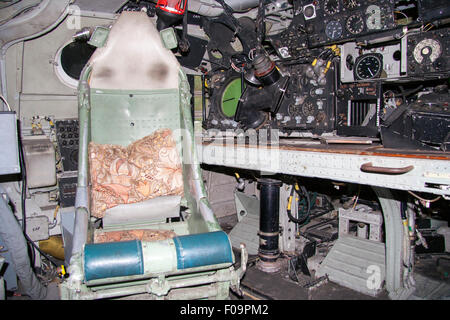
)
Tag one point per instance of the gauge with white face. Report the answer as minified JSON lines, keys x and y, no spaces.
{"x":374,"y":17}
{"x":427,"y":49}
{"x":355,"y":24}
{"x":333,"y":29}
{"x":368,"y":66}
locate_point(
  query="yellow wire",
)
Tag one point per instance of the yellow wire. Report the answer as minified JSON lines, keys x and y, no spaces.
{"x":431,"y":27}
{"x":357,"y":197}
{"x":56,"y":211}
{"x":289,"y":203}
{"x":250,"y":295}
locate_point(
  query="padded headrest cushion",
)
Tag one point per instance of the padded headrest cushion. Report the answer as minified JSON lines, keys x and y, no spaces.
{"x":134,"y":57}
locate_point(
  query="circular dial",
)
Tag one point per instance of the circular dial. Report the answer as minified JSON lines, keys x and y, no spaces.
{"x":309,"y":11}
{"x":74,"y":156}
{"x":333,"y":30}
{"x":427,"y":49}
{"x":355,"y":24}
{"x":294,"y":110}
{"x":230,"y":97}
{"x":368,"y":67}
{"x":375,"y":17}
{"x":308,"y":108}
{"x":331,"y":6}
{"x":351,"y":4}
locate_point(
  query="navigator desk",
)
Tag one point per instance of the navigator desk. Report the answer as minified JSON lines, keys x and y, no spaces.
{"x":368,"y":164}
{"x":365,"y":164}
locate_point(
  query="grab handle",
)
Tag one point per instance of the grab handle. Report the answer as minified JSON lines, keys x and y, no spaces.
{"x":368,"y":167}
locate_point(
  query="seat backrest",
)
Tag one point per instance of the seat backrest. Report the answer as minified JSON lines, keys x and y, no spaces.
{"x":123,"y":99}
{"x":134,"y":83}
{"x":134,"y":57}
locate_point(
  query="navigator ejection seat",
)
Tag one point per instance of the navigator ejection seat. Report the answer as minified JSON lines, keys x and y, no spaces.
{"x":143,"y":223}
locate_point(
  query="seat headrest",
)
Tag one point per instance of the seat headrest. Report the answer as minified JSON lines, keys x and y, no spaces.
{"x":134,"y":57}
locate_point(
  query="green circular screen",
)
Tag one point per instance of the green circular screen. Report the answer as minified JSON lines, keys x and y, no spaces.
{"x":230,"y":97}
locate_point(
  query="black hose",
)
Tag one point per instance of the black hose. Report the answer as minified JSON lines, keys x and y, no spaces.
{"x":308,"y":205}
{"x":403,"y":209}
{"x":39,"y":250}
{"x":24,"y":177}
{"x":404,"y":94}
{"x":24,"y":193}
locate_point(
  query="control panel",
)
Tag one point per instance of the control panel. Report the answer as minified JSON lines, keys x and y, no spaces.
{"x":67,"y":136}
{"x":429,"y":53}
{"x":291,"y":43}
{"x":331,"y":21}
{"x":307,"y":104}
{"x":67,"y":185}
{"x":358,"y":109}
{"x":367,"y":64}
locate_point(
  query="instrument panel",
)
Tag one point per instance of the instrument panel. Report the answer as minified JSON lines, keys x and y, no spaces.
{"x":373,"y":64}
{"x":333,"y":21}
{"x":428,"y":53}
{"x":67,"y":134}
{"x":307,"y":104}
{"x":368,"y":66}
{"x":351,"y":67}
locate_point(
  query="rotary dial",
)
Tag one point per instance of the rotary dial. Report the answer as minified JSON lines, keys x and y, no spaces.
{"x":308,"y":108}
{"x":368,"y":67}
{"x":333,"y":29}
{"x":427,"y":49}
{"x":331,"y":6}
{"x":355,"y":24}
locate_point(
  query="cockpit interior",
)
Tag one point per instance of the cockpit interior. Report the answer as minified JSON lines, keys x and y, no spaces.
{"x":225,"y":150}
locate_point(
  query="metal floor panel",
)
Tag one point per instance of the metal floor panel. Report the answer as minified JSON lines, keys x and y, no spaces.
{"x":430,"y":289}
{"x":354,"y":262}
{"x":246,"y":231}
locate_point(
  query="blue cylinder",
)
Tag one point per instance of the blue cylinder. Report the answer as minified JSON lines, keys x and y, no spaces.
{"x":113,"y":259}
{"x":126,"y":258}
{"x":203,"y":249}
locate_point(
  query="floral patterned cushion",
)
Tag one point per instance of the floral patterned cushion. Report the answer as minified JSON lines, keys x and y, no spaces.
{"x":137,"y":234}
{"x":146,"y":169}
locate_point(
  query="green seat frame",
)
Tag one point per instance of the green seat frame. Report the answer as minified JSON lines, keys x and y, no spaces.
{"x":109,"y":116}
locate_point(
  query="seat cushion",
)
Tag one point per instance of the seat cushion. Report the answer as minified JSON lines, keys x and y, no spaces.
{"x":146,"y":169}
{"x":136,"y":234}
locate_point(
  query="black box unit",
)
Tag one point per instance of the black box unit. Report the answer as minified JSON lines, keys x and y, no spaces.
{"x":358,"y":109}
{"x":429,"y":53}
{"x":67,"y":134}
{"x":435,"y":242}
{"x":67,"y":191}
{"x":422,"y":125}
